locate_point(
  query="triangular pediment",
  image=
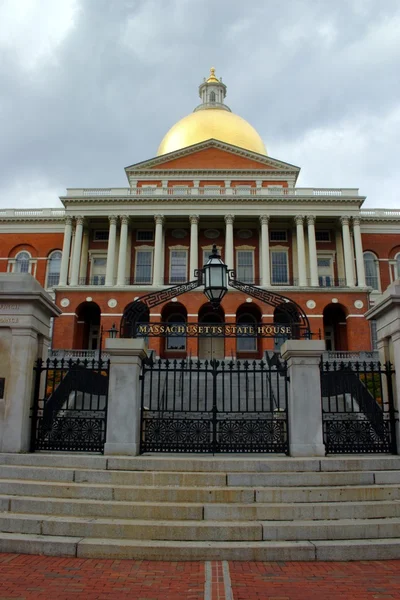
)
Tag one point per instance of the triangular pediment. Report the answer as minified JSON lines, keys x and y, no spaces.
{"x":213,"y":155}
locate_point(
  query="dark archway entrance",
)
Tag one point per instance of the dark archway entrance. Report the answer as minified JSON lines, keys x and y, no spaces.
{"x":87,"y":331}
{"x":335,"y":327}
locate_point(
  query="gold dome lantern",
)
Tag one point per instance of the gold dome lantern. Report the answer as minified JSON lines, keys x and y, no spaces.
{"x":212,"y":119}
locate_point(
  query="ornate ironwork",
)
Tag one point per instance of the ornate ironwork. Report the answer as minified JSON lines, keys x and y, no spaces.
{"x":357,"y":408}
{"x":213,"y":406}
{"x":69,"y":411}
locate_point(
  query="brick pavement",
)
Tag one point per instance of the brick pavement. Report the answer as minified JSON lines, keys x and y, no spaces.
{"x":30,"y":577}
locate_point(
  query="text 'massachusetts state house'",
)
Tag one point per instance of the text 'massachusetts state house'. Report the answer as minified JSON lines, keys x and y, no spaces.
{"x":211,"y":182}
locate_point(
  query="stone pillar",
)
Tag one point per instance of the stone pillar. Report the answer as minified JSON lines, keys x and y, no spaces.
{"x":124,"y":398}
{"x":123,"y":250}
{"x":301,"y":253}
{"x":112,"y":236}
{"x":76,"y":256}
{"x":194,"y":245}
{"x":84,"y":255}
{"x":66,"y":251}
{"x":25,"y":313}
{"x":359,"y":252}
{"x":229,"y":255}
{"x":386,"y":313}
{"x":347,"y":251}
{"x":265,"y":267}
{"x":304,"y":405}
{"x":312,"y":249}
{"x":158,"y":250}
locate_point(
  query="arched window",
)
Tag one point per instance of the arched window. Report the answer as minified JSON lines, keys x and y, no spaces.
{"x":22,"y":262}
{"x":212,"y":96}
{"x":371,"y":270}
{"x":397,"y":266}
{"x":53,"y":269}
{"x":176,"y":340}
{"x":247,"y":342}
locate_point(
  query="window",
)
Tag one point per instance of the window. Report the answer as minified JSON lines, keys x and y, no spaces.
{"x":374,"y":337}
{"x":176,"y":341}
{"x":397,"y":267}
{"x":371,"y":270}
{"x":22,"y":262}
{"x":98,"y":271}
{"x":212,"y":96}
{"x":53,"y":269}
{"x":100,"y":235}
{"x":323,"y":235}
{"x":144,"y":266}
{"x":276,"y":235}
{"x":325,"y":277}
{"x":245,"y":265}
{"x":178,"y":266}
{"x":247,"y":342}
{"x":144,"y":235}
{"x":279,"y":267}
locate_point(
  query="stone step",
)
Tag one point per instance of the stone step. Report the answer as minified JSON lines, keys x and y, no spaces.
{"x":341,"y":529}
{"x":301,"y":479}
{"x":317,"y":494}
{"x":220,"y":463}
{"x":336,"y":550}
{"x":125,"y":493}
{"x":200,"y":511}
{"x":130,"y":528}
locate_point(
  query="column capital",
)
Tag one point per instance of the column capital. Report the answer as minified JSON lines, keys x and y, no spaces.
{"x":194,"y":219}
{"x":68,"y":220}
{"x":345,"y":220}
{"x":113,"y":219}
{"x":264,"y":219}
{"x":310,"y":219}
{"x":229,"y":219}
{"x":356,"y":221}
{"x":124,"y":219}
{"x":79,"y":220}
{"x":299,"y":219}
{"x":159,"y":219}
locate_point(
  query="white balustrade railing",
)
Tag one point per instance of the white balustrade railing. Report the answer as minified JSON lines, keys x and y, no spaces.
{"x":32,"y":212}
{"x":380,"y":212}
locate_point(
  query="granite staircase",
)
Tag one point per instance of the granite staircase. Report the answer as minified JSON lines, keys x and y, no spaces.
{"x":201,"y":507}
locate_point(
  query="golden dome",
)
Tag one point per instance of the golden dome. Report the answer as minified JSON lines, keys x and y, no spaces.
{"x":212,"y":123}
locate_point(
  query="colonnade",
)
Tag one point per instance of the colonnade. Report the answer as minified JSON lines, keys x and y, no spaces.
{"x":74,"y":242}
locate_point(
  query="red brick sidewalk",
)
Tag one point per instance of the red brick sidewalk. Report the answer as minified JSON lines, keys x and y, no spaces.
{"x":26,"y":577}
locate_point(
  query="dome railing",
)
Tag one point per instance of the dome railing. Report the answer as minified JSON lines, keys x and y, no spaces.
{"x":181,"y":190}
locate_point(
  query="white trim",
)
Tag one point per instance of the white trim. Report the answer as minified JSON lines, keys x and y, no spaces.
{"x":65,"y":314}
{"x":359,"y":316}
{"x":111,"y":314}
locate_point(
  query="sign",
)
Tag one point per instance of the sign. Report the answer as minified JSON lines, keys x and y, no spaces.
{"x":214,"y":330}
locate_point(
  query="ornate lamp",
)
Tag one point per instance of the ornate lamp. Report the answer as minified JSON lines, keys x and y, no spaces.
{"x":112,"y":333}
{"x":215,"y":274}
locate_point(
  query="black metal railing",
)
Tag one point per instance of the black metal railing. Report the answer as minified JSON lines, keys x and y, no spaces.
{"x":213,"y":406}
{"x":69,"y":411}
{"x":357,"y":407}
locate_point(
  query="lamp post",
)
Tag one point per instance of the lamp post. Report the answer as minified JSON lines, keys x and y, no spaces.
{"x":215,"y":274}
{"x":112,"y":333}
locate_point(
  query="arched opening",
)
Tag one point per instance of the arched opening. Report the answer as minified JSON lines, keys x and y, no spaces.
{"x":335,"y":327}
{"x":53,"y":269}
{"x":212,"y":96}
{"x":248,"y":317}
{"x":211,"y":345}
{"x":135,"y":314}
{"x":371,"y":270}
{"x":174,"y":315}
{"x":87,"y":332}
{"x":286,"y":314}
{"x":22,"y":262}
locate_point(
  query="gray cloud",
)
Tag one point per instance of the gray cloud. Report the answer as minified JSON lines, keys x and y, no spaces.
{"x":90,"y":86}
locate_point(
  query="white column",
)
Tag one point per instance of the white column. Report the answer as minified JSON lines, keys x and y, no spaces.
{"x":84,"y":255}
{"x":158,"y":250}
{"x":229,"y":257}
{"x":359,"y":252}
{"x":312,"y":249}
{"x":112,"y":235}
{"x":301,"y":253}
{"x":348,"y":255}
{"x":76,"y":255}
{"x":265,"y":268}
{"x":65,"y":251}
{"x":123,"y":246}
{"x":194,"y":245}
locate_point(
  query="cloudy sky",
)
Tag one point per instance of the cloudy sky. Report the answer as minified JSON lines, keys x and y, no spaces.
{"x":88,"y":87}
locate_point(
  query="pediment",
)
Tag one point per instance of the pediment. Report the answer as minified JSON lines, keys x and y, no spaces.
{"x":213,"y":155}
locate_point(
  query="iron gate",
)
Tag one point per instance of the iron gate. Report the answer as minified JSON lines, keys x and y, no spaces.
{"x":357,"y":408}
{"x":214,"y":406}
{"x":69,"y":409}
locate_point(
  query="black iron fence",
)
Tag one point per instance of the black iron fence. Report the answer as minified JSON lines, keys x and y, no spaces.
{"x":214,"y":406}
{"x":357,"y":407}
{"x":69,"y":411}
